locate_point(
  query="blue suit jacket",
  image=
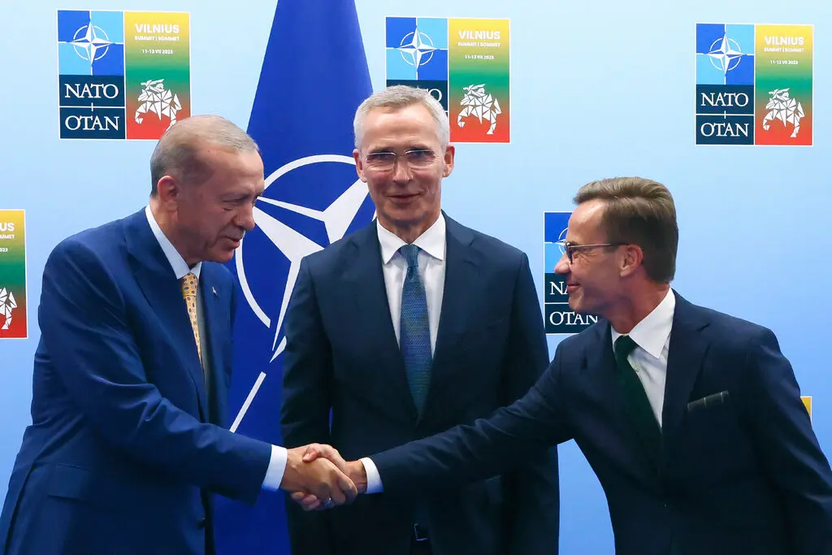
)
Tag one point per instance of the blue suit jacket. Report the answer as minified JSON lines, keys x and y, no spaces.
{"x":342,"y":355}
{"x":744,"y":476}
{"x":121,"y":444}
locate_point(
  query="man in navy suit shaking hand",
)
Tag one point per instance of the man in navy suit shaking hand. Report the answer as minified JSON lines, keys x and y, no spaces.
{"x":403,"y":329}
{"x":691,"y":419}
{"x":127,"y":445}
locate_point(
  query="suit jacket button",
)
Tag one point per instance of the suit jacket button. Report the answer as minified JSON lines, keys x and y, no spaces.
{"x":201,"y":523}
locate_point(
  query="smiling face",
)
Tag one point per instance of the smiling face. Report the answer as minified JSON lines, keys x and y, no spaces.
{"x":593,"y":278}
{"x":408,"y":195}
{"x":209,"y":218}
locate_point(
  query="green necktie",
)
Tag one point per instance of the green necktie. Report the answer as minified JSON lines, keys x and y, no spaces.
{"x":635,"y":399}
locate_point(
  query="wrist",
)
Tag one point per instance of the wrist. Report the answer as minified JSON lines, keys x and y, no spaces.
{"x":358,"y":474}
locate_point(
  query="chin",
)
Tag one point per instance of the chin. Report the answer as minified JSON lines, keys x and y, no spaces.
{"x":579,"y":308}
{"x":222,"y":257}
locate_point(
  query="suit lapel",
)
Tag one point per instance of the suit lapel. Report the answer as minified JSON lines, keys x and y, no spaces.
{"x":373,"y":328}
{"x":459,"y":292}
{"x":215,"y":312}
{"x":684,"y":361}
{"x":163,"y":291}
{"x":604,"y":381}
{"x":605,"y":386}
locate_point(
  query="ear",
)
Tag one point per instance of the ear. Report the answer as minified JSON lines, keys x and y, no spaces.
{"x":168,"y":190}
{"x":359,"y":165}
{"x":631,"y":261}
{"x":450,"y":151}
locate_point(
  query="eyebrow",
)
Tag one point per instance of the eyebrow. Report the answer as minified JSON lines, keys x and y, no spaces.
{"x":235,"y":196}
{"x":379,"y":150}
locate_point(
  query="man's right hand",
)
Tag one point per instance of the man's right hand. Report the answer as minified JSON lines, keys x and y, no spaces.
{"x":318,"y":477}
{"x":354,"y":470}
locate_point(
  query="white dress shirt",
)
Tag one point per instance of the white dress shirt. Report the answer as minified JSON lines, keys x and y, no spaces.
{"x":432,"y":271}
{"x":649,"y":358}
{"x":279,"y":455}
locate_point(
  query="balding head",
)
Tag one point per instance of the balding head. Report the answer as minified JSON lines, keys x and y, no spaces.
{"x":178,"y":152}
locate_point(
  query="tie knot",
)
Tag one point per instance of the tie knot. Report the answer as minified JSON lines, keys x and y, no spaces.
{"x":189,"y":284}
{"x":411,"y":254}
{"x":624,"y":345}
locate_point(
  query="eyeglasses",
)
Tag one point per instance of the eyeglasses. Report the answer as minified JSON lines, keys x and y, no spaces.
{"x":569,"y":248}
{"x":386,"y":161}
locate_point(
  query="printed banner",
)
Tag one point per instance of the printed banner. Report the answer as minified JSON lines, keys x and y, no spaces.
{"x":559,"y":318}
{"x":465,"y":63}
{"x":13,"y":323}
{"x":783,"y":99}
{"x":754,"y":84}
{"x":122,"y":75}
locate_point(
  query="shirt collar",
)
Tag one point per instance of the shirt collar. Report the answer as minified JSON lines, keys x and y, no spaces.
{"x":177,"y":263}
{"x":432,"y":241}
{"x":652,"y":332}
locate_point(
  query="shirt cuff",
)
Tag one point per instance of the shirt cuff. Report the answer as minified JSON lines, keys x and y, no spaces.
{"x":277,"y":466}
{"x":374,"y":484}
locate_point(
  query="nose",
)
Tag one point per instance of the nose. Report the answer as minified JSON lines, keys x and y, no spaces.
{"x":401,"y":171}
{"x":245,"y":218}
{"x":563,"y":266}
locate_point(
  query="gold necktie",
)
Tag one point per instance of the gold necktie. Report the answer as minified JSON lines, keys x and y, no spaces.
{"x":189,"y":285}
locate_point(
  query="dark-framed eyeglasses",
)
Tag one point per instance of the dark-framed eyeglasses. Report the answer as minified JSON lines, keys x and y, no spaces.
{"x":569,"y":249}
{"x":414,"y":158}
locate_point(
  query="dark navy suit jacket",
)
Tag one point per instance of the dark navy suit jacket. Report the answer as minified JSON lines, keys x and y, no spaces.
{"x":342,"y":355}
{"x":742,"y":476}
{"x":121,"y":453}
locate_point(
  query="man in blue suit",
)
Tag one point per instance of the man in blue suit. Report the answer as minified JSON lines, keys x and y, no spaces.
{"x":691,"y":419}
{"x":126,"y":446}
{"x":405,"y":329}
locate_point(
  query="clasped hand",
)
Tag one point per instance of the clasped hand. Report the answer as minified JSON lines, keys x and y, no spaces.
{"x":319,"y":478}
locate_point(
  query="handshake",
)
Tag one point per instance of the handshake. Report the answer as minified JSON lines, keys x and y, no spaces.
{"x":319,"y":478}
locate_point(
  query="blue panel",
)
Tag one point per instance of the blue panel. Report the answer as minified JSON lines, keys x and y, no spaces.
{"x":397,"y":28}
{"x":69,"y":21}
{"x":436,"y":29}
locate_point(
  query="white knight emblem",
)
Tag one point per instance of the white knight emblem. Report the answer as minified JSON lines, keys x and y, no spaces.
{"x":156,"y":99}
{"x":479,"y":103}
{"x":7,"y":305}
{"x":782,"y":107}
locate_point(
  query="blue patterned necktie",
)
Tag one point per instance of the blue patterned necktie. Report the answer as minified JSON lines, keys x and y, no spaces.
{"x":415,"y":329}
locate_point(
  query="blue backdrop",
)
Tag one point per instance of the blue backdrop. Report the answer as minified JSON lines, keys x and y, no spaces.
{"x":599,"y":88}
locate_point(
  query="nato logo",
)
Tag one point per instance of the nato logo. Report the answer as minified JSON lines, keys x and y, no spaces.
{"x":91,"y":74}
{"x":559,"y":317}
{"x":724,"y":84}
{"x":417,"y":54}
{"x":295,"y":219}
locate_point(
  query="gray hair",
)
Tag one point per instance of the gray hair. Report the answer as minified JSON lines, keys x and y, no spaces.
{"x":178,"y":152}
{"x":398,"y":97}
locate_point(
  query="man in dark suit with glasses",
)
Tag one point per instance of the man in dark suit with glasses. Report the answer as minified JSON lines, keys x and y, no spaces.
{"x":691,"y":419}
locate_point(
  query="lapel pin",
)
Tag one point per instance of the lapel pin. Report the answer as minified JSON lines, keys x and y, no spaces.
{"x":214,"y":289}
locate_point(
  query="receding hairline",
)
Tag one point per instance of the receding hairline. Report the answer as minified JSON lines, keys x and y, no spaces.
{"x":180,"y":151}
{"x":208,"y":130}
